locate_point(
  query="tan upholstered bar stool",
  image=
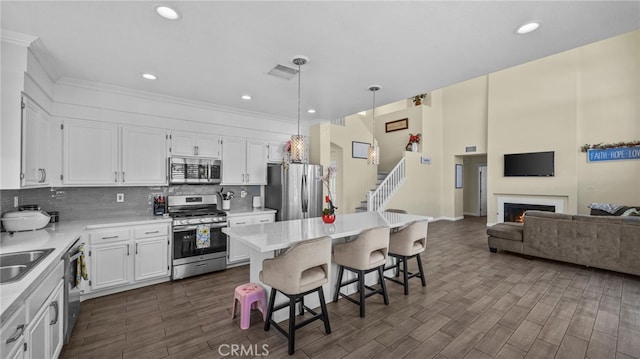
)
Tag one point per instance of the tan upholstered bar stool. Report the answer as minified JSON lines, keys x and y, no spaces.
{"x":367,"y":253}
{"x":302,"y":270}
{"x":395,"y":210}
{"x":406,"y":243}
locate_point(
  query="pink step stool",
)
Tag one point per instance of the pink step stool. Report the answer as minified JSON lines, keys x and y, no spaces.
{"x":249,"y":295}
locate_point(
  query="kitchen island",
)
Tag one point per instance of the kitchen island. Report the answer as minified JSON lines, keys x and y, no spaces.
{"x":270,"y":239}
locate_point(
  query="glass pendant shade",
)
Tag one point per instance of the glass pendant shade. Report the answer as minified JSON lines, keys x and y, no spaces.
{"x":298,"y":148}
{"x":373,"y":155}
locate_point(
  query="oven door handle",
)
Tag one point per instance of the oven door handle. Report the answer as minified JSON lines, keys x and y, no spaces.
{"x":191,"y":228}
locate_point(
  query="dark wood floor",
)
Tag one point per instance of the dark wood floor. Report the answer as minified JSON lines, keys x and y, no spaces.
{"x":476,"y":305}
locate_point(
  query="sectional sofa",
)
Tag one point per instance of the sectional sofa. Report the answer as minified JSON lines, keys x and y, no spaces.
{"x":607,"y":242}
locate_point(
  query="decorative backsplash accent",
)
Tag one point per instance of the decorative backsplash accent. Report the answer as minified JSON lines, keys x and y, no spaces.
{"x":76,"y":203}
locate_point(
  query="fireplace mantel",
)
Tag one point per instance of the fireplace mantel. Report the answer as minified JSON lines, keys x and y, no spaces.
{"x":557,"y":201}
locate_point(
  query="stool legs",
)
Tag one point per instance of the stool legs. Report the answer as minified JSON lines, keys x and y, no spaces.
{"x":361,"y":286}
{"x":406,"y":275}
{"x":294,"y":299}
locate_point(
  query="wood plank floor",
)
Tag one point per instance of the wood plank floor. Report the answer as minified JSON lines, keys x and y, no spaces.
{"x":476,"y":305}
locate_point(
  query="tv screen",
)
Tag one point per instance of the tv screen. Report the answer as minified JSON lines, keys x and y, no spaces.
{"x":529,"y":164}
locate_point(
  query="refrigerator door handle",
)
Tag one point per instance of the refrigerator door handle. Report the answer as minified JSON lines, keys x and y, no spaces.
{"x":304,"y":194}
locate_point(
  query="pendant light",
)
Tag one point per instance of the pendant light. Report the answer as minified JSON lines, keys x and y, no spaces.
{"x":373,"y":154}
{"x":298,"y":145}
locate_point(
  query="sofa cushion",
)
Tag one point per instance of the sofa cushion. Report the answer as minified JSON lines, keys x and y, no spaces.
{"x":506,"y":230}
{"x":546,"y":214}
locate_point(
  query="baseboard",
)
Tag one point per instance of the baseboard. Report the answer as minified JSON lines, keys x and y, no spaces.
{"x":491,"y":224}
{"x":449,"y":218}
{"x":475,"y":214}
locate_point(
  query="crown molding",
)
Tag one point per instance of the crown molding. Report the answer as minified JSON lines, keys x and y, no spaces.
{"x":17,"y":38}
{"x":45,"y":59}
{"x":117,"y":90}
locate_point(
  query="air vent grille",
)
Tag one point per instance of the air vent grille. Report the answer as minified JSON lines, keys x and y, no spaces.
{"x":283,"y":72}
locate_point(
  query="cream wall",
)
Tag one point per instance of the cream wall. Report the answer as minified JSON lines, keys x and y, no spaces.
{"x":608,"y":112}
{"x":393,"y":144}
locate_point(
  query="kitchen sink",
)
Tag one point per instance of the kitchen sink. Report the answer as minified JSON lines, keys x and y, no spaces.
{"x":14,"y":266}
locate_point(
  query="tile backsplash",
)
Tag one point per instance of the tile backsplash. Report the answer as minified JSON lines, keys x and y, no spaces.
{"x":75,"y":203}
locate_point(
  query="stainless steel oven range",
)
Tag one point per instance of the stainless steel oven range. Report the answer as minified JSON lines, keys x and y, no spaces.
{"x":199,"y":246}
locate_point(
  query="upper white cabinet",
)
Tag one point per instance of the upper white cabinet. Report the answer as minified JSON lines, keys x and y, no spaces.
{"x":244,"y":162}
{"x":106,"y":154}
{"x":195,"y":144}
{"x":276,"y":151}
{"x":35,"y":146}
{"x":144,"y":155}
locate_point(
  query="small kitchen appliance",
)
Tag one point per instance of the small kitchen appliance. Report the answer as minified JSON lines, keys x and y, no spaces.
{"x":27,"y":220}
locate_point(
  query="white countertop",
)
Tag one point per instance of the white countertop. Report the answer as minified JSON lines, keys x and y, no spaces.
{"x":237,"y":212}
{"x":267,"y":237}
{"x":59,"y":236}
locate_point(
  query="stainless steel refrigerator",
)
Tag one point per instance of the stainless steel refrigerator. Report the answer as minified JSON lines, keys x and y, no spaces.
{"x":295,"y":190}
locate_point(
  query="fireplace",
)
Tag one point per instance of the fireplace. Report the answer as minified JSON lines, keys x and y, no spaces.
{"x":514,"y":212}
{"x":537,"y":202}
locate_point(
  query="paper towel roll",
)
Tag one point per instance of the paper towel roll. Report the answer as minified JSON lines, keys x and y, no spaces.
{"x":257,"y":202}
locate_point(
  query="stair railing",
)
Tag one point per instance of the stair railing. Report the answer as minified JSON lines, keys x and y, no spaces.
{"x":378,"y":198}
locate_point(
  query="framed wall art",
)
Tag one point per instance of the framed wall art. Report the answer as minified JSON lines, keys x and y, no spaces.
{"x":359,"y":149}
{"x":396,"y":125}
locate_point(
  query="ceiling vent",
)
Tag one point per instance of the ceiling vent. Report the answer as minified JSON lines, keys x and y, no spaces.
{"x":283,"y":72}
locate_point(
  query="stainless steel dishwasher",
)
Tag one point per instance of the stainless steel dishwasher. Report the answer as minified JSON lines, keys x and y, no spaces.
{"x":71,"y":288}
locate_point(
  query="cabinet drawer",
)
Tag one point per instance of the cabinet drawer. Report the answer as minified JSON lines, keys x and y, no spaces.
{"x":13,"y":330}
{"x":108,"y":235}
{"x":264,"y":218}
{"x":240,"y":221}
{"x":155,"y":230}
{"x":48,"y":285}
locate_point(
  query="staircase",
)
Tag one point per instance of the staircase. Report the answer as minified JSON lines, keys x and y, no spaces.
{"x":386,"y":186}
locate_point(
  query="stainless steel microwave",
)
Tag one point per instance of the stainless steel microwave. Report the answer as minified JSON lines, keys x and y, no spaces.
{"x":194,"y":170}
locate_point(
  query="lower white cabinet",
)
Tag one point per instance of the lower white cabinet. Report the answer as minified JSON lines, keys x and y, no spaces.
{"x":44,"y":337}
{"x":127,"y":255}
{"x":237,"y":251}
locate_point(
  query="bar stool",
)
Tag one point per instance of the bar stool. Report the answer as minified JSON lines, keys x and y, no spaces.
{"x":302,"y":270}
{"x":395,"y":210}
{"x":367,"y":253}
{"x":408,"y":242}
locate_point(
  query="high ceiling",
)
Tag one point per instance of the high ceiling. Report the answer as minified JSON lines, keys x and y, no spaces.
{"x":220,"y":50}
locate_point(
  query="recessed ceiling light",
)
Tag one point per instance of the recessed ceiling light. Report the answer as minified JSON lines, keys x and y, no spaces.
{"x":311,"y":110}
{"x":246,"y":97}
{"x":528,"y":27}
{"x":148,"y":76}
{"x":167,"y":12}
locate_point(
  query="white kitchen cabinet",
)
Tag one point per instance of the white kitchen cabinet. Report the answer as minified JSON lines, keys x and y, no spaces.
{"x":195,"y":144}
{"x":13,"y":332}
{"x":237,"y":251}
{"x":276,"y":152}
{"x":128,"y":255}
{"x":107,"y":154}
{"x":144,"y":155}
{"x":35,"y":145}
{"x":110,"y":265}
{"x":244,"y":162}
{"x":45,"y":330}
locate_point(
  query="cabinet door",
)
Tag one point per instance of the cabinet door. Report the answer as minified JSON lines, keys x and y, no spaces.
{"x":35,"y":145}
{"x":208,"y":146}
{"x":234,"y":154}
{"x":144,"y":156}
{"x":238,"y":251}
{"x":183,"y":143}
{"x":56,"y":321}
{"x":276,"y":151}
{"x":152,"y":258}
{"x":90,"y":153}
{"x":37,"y":338}
{"x":110,"y":265}
{"x":256,"y":163}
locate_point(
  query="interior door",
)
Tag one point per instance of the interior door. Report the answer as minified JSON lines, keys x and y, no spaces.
{"x":482,"y":175}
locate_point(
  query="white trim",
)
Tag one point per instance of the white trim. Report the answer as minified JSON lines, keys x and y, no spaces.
{"x":45,"y":59}
{"x":557,"y":201}
{"x":89,"y":85}
{"x":449,"y":218}
{"x":17,"y":38}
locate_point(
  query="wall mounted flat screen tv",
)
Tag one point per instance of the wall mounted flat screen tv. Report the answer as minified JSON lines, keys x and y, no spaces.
{"x":539,"y":164}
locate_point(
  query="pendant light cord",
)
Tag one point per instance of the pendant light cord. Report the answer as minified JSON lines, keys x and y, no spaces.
{"x":299,"y":74}
{"x":373,"y":117}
